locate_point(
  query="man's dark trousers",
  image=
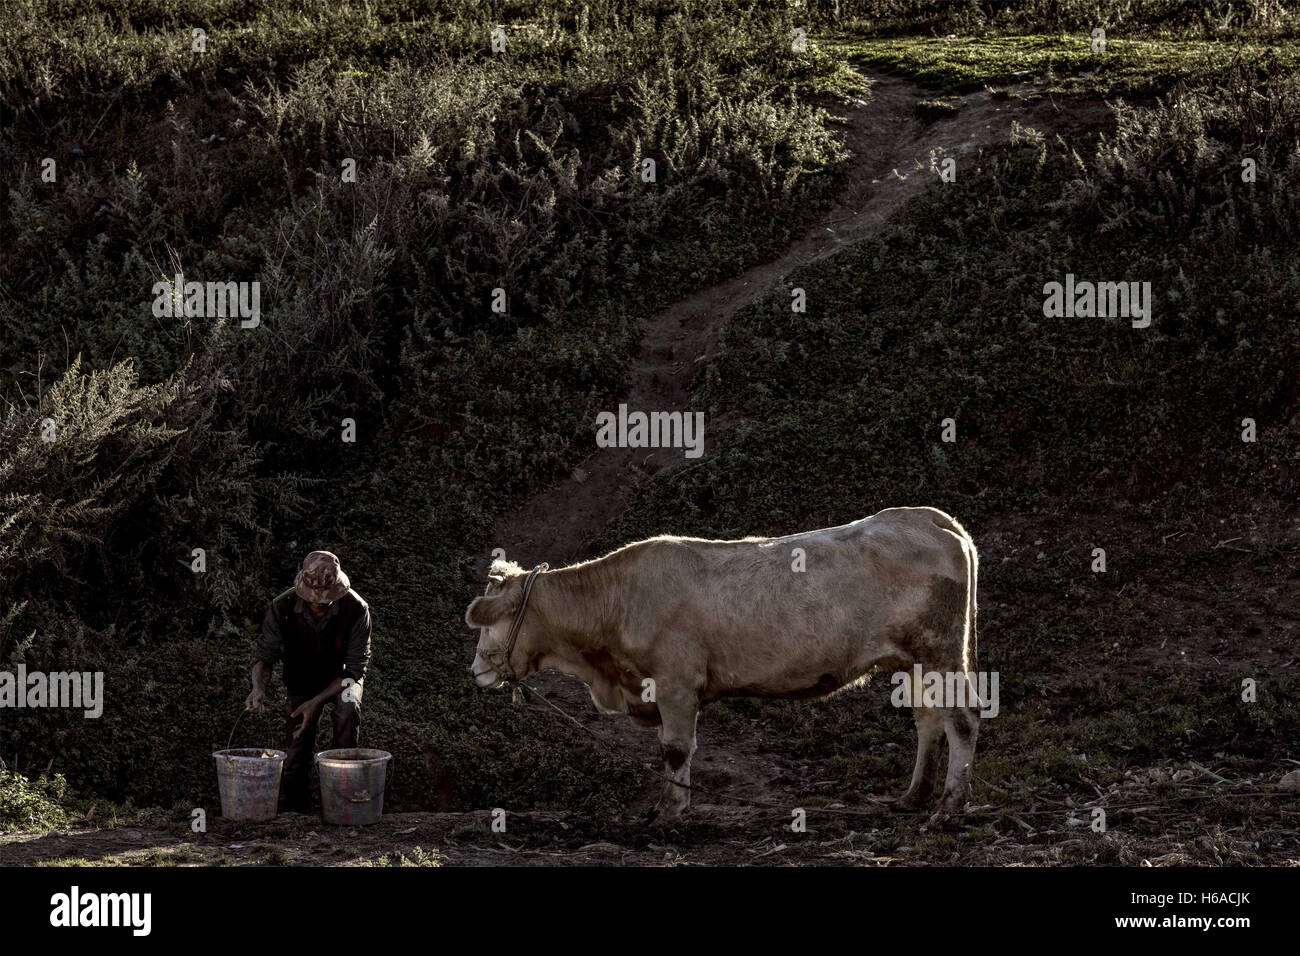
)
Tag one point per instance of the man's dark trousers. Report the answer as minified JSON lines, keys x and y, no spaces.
{"x":295,"y":779}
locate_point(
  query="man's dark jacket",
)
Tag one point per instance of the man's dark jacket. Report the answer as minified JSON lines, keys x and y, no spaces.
{"x":316,"y":652}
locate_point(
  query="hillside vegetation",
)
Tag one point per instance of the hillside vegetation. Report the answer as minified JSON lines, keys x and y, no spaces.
{"x":518,"y":170}
{"x":521,"y":170}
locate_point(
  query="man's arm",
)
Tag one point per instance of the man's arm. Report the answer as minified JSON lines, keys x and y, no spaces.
{"x":357,"y":660}
{"x":307,"y":709}
{"x":270,"y":646}
{"x":261,"y":677}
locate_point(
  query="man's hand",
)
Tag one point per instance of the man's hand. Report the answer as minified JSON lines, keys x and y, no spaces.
{"x":261,"y":674}
{"x":307,"y":710}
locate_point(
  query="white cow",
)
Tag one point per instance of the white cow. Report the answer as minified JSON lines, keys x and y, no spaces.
{"x":659,"y":626}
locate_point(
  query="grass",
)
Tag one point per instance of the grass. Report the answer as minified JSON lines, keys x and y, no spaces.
{"x":1187,"y":18}
{"x":936,"y":109}
{"x":157,"y":857}
{"x":1067,"y":64}
{"x":418,"y":856}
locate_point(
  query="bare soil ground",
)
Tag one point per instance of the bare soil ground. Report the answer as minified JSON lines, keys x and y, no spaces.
{"x":1225,"y":829}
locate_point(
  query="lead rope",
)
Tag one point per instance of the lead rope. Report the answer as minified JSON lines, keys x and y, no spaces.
{"x":844,"y":811}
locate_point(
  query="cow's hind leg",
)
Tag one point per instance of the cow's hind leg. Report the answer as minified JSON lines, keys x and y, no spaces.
{"x":962,"y":725}
{"x":929,"y":728}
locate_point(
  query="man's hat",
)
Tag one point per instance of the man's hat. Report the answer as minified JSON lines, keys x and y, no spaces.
{"x":321,"y":580}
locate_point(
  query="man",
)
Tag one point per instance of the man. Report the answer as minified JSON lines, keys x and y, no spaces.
{"x":321,"y":627}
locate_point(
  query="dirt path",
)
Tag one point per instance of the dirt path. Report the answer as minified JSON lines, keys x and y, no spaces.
{"x":890,"y":162}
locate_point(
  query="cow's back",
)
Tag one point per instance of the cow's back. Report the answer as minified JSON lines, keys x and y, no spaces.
{"x":798,"y":614}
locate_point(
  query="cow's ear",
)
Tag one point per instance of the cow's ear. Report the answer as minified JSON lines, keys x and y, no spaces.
{"x":487,"y":610}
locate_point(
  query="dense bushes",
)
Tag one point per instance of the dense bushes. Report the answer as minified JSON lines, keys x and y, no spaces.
{"x":109,"y":482}
{"x":474,"y":171}
{"x":1221,"y":166}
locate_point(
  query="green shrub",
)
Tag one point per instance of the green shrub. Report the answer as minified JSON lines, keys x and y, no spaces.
{"x":31,"y":804}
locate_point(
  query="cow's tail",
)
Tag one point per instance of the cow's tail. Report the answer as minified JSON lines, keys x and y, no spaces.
{"x":969,"y":628}
{"x":972,"y":634}
{"x":970,"y":638}
{"x":970,"y":631}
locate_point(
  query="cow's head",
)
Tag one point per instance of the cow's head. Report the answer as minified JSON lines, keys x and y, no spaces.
{"x":493,"y":614}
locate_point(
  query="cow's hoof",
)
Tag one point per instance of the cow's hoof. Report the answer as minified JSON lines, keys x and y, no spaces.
{"x":905,"y":805}
{"x":666,"y":814}
{"x":651,"y":816}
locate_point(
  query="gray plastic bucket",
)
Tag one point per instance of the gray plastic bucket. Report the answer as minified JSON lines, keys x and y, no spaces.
{"x":352,"y":782}
{"x":249,"y":783}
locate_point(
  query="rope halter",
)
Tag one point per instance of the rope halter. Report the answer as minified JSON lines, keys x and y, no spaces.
{"x":512,"y":677}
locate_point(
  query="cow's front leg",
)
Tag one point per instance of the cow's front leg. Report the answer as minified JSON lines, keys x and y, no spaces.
{"x":677,"y":741}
